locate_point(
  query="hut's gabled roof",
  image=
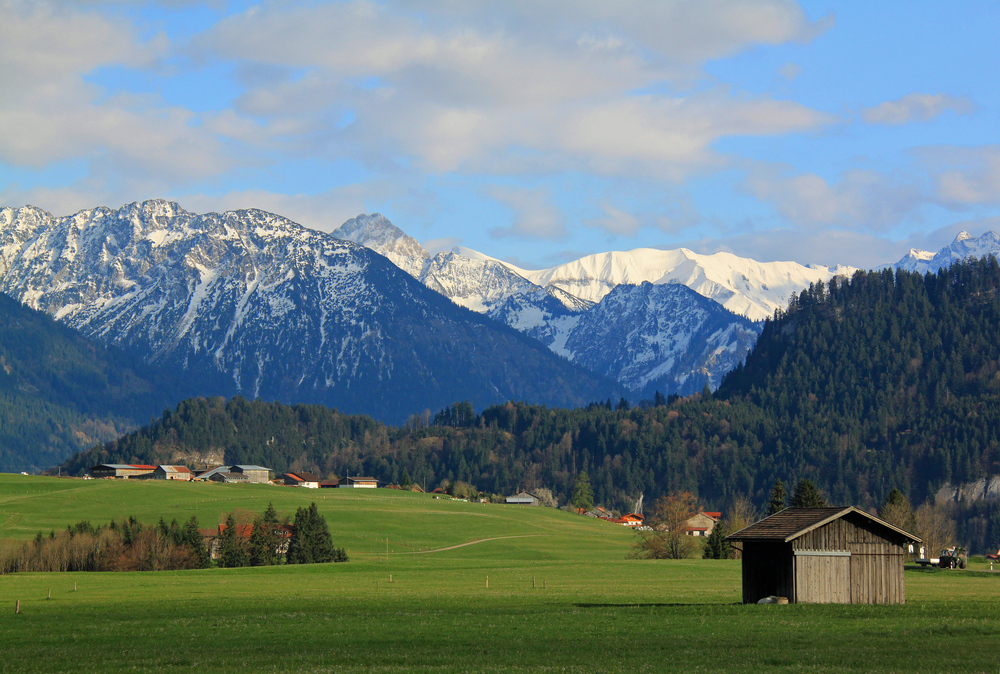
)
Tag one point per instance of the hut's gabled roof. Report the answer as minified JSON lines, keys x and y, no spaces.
{"x":790,"y":523}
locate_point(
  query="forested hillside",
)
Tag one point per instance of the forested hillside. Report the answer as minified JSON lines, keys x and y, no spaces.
{"x":887,"y":380}
{"x":60,"y":393}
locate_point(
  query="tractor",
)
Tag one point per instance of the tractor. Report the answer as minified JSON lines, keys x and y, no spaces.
{"x":953,"y":557}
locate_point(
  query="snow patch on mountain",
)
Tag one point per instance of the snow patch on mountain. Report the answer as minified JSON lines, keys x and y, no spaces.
{"x":377,"y":233}
{"x":744,"y":286}
{"x":964,"y":246}
{"x":660,"y":337}
{"x":284,"y":312}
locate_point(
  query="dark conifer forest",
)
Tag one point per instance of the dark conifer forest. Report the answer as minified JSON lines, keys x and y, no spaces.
{"x":888,"y":380}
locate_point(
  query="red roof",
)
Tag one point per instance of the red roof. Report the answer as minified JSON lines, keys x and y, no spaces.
{"x":714,"y":516}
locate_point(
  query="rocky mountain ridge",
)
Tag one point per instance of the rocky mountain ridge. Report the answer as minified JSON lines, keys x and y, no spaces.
{"x":964,"y":246}
{"x":286,"y":313}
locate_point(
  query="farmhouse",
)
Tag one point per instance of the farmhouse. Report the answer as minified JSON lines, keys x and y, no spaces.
{"x":301,"y":479}
{"x":702,"y":524}
{"x":213,"y":537}
{"x":120,"y":470}
{"x":838,"y":555}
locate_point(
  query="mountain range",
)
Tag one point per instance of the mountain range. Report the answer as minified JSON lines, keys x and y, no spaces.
{"x":284,"y":312}
{"x":248,"y":302}
{"x":964,"y":246}
{"x":667,"y":339}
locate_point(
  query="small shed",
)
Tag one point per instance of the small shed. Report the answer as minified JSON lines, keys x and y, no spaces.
{"x":522,"y":498}
{"x":120,"y":470}
{"x":838,"y":555}
{"x":163,"y":472}
{"x":359,"y":482}
{"x":255,"y":474}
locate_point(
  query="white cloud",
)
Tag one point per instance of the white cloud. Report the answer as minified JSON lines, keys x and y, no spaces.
{"x":535,"y":217}
{"x":507,"y":88}
{"x":435,"y":246}
{"x":324,"y":211}
{"x":859,"y":200}
{"x":49,"y":113}
{"x":616,"y":221}
{"x":826,"y":247}
{"x":964,"y":176}
{"x":917,"y":108}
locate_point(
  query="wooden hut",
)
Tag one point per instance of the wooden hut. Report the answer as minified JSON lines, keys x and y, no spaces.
{"x":838,"y":555}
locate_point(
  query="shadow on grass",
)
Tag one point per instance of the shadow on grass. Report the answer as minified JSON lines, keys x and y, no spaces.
{"x":653,"y":605}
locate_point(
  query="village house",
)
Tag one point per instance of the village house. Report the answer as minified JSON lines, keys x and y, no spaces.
{"x":300,"y":479}
{"x":702,"y":524}
{"x":838,"y":555}
{"x":212,"y":537}
{"x":632,"y":520}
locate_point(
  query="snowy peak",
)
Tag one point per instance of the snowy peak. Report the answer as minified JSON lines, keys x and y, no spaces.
{"x":964,"y":246}
{"x":377,"y":233}
{"x":268,"y":308}
{"x":744,"y":286}
{"x":476,"y":284}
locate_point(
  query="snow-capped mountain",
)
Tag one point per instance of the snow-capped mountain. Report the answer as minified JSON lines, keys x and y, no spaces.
{"x":676,"y":338}
{"x":660,"y":337}
{"x":471,"y":280}
{"x":744,"y":286}
{"x":962,"y":247}
{"x":285,"y":312}
{"x":377,"y":233}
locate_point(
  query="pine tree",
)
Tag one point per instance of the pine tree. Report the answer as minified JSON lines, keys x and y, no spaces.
{"x":192,"y":537}
{"x":583,"y":494}
{"x":716,"y":546}
{"x":311,"y":541}
{"x":806,"y":495}
{"x":232,"y":546}
{"x":897,"y":511}
{"x":778,"y":497}
{"x":261,"y":549}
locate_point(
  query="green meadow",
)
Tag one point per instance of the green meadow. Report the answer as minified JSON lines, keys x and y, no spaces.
{"x":526,"y":589}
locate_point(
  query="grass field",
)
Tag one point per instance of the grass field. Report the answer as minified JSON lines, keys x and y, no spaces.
{"x":561,"y":597}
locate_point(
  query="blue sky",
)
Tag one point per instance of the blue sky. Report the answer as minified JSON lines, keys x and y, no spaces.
{"x":821,"y":132}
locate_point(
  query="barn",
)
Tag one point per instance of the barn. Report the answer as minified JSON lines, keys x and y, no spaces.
{"x":838,"y":555}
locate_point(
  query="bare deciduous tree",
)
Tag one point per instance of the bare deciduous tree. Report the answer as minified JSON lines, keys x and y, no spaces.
{"x":936,"y":526}
{"x":668,"y":538}
{"x":741,"y":514}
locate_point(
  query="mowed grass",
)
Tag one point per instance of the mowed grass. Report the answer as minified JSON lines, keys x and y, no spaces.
{"x":561,"y":597}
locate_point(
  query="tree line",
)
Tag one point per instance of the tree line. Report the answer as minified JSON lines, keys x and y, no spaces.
{"x":245,"y":539}
{"x":887,"y":380}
